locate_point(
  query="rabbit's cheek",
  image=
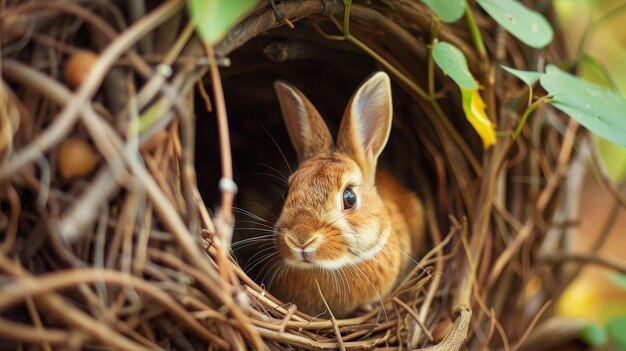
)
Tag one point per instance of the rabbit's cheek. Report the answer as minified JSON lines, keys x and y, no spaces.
{"x":284,"y":250}
{"x":331,"y":250}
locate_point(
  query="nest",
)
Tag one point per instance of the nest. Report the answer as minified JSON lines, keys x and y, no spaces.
{"x":123,"y":250}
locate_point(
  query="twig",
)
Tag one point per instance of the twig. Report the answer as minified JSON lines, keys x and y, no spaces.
{"x":12,"y":293}
{"x":290,"y":311}
{"x":162,"y":205}
{"x":27,"y":333}
{"x":215,"y":290}
{"x":532,"y":324}
{"x":70,"y":113}
{"x":415,"y":316}
{"x":457,"y":335}
{"x":586,"y":258}
{"x":12,"y":227}
{"x":224,"y":222}
{"x":34,"y":315}
{"x":30,"y":286}
{"x":542,"y":202}
{"x":342,"y":346}
{"x":83,"y":212}
{"x":492,"y":327}
{"x":310,"y":344}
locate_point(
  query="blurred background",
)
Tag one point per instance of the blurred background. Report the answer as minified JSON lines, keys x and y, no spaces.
{"x":597,"y":29}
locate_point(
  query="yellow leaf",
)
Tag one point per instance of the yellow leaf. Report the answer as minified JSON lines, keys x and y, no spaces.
{"x":474,"y":108}
{"x":592,"y":300}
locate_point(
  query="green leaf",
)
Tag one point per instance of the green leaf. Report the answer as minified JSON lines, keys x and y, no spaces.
{"x":616,"y":328}
{"x":594,"y":335}
{"x":527,"y":25}
{"x":447,"y":10}
{"x":612,"y":157}
{"x":452,"y":61}
{"x":528,"y":77}
{"x":214,"y":18}
{"x":600,"y":110}
{"x":590,"y":69}
{"x":619,"y":279}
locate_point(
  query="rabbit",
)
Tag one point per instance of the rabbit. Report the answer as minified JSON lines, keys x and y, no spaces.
{"x":345,"y":226}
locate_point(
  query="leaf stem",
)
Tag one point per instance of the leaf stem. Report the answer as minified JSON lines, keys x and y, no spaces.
{"x":475,"y":32}
{"x":431,"y":98}
{"x":403,"y":78}
{"x":530,"y":109}
{"x":431,"y":66}
{"x":346,"y":18}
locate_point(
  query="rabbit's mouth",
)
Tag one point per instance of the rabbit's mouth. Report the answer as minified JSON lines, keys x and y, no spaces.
{"x":328,"y":255}
{"x":300,"y":251}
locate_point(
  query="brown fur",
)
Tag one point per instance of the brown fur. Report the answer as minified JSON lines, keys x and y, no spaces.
{"x":320,"y":241}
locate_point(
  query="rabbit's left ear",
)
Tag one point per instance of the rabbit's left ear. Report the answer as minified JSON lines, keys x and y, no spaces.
{"x":366,"y":123}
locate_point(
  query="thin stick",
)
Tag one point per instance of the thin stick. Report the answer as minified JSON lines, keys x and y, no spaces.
{"x":544,"y":198}
{"x":290,"y":311}
{"x":492,"y":327}
{"x":342,"y":347}
{"x":531,"y":326}
{"x":228,"y":192}
{"x":12,"y":227}
{"x":415,"y":316}
{"x":12,"y":293}
{"x":71,"y":112}
{"x":34,"y":315}
{"x":585,"y":258}
{"x":26,"y":333}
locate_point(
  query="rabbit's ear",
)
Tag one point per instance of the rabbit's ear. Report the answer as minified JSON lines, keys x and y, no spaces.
{"x":307,"y":130}
{"x":367,"y":121}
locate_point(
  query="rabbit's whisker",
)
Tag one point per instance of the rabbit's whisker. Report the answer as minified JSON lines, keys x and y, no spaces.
{"x":282,"y":176}
{"x":263,"y":208}
{"x":260,"y":260}
{"x":344,"y":281}
{"x":258,"y":230}
{"x":260,"y":243}
{"x":260,"y":237}
{"x":262,"y":225}
{"x":282,"y":270}
{"x":277,"y":269}
{"x":382,"y":304}
{"x":247,"y":213}
{"x":410,"y":258}
{"x":277,"y":147}
{"x":273,"y":176}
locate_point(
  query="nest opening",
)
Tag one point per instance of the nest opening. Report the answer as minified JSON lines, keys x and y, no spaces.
{"x":328,"y":73}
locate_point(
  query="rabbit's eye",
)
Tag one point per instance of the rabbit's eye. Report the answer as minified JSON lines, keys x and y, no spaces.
{"x":349,"y":198}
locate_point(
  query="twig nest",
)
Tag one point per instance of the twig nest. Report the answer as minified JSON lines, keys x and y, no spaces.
{"x":78,"y":66}
{"x":76,"y":158}
{"x":10,"y":120}
{"x":155,"y":140}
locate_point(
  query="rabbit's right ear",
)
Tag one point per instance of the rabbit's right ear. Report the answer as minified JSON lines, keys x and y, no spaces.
{"x":307,"y":130}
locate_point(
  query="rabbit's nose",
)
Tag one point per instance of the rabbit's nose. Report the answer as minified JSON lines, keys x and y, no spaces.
{"x":301,"y":243}
{"x":302,"y":246}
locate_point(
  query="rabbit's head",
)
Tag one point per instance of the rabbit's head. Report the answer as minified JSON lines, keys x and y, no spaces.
{"x":333,"y":215}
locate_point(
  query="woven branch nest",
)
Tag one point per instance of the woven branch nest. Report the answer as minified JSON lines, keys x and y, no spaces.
{"x":120,"y":251}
